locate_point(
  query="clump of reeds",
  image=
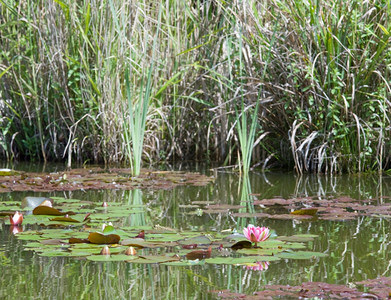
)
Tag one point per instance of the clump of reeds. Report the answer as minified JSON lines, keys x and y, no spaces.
{"x":248,"y":83}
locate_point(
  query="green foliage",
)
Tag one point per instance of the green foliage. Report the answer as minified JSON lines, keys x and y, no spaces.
{"x":293,"y":83}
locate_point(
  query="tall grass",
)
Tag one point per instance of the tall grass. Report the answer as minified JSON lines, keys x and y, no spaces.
{"x":297,"y":84}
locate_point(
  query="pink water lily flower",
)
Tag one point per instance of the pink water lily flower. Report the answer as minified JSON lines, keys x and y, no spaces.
{"x":16,"y":219}
{"x":256,"y":234}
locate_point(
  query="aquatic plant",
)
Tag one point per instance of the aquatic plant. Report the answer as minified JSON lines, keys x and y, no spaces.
{"x":256,"y":234}
{"x":16,"y":219}
{"x":306,"y":82}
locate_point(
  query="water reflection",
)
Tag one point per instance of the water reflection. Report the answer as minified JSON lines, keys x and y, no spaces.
{"x":357,"y":249}
{"x":258,"y":266}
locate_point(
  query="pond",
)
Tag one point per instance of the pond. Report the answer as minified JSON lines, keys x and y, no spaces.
{"x":355,"y":244}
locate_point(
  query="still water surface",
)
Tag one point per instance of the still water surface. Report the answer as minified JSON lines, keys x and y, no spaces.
{"x":357,"y":249}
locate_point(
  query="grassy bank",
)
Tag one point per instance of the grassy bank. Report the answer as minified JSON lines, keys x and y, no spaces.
{"x":298,"y":84}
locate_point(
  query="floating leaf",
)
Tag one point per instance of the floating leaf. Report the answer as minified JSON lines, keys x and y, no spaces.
{"x":241,"y":245}
{"x":49,"y":211}
{"x":118,"y":257}
{"x":298,"y":238}
{"x":239,"y":260}
{"x":65,"y":219}
{"x":301,"y":255}
{"x":78,"y":241}
{"x":98,"y":238}
{"x":199,"y":254}
{"x":141,"y":243}
{"x":200,"y":240}
{"x":55,"y":253}
{"x":154,"y":259}
{"x":185,"y":263}
{"x":53,"y":242}
{"x":305,"y":211}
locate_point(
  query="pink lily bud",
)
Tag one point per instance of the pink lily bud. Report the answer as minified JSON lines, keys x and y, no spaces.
{"x":16,"y":219}
{"x":130,"y":251}
{"x":105,"y":251}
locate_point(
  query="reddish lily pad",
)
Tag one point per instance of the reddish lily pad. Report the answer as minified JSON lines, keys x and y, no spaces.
{"x":65,"y":219}
{"x":49,"y":211}
{"x":99,"y":238}
{"x":95,"y":178}
{"x":305,"y":211}
{"x":199,"y":254}
{"x":78,"y":240}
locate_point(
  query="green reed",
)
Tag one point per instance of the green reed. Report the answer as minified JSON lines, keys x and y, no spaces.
{"x":296,"y":84}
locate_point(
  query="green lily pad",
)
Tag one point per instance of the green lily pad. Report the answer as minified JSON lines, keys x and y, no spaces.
{"x":298,"y":238}
{"x":199,"y":240}
{"x":239,"y":260}
{"x":54,"y":253}
{"x":154,"y":259}
{"x":185,"y":263}
{"x":301,"y":255}
{"x":119,"y":257}
{"x":169,"y":237}
{"x":141,"y":243}
{"x":29,"y":236}
{"x":64,"y":200}
{"x":259,"y":251}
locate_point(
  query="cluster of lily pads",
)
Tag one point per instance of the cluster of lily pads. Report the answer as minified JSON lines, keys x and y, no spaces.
{"x":84,"y":229}
{"x":308,"y":208}
{"x":379,"y":288}
{"x":97,"y":178}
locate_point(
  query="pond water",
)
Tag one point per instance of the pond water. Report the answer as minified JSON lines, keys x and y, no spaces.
{"x":357,"y":249}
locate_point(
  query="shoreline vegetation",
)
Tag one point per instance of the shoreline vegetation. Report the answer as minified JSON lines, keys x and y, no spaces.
{"x":303,"y":85}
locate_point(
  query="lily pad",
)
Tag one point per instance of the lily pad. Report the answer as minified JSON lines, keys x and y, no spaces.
{"x":106,"y":258}
{"x":184,"y":263}
{"x":239,"y":260}
{"x":305,"y":211}
{"x":49,"y":211}
{"x":301,"y":255}
{"x":141,"y":243}
{"x":199,"y":240}
{"x":99,"y":238}
{"x":65,"y":219}
{"x":298,"y":238}
{"x":154,"y":259}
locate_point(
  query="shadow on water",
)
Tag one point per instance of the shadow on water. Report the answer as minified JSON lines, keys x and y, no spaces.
{"x":357,"y":249}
